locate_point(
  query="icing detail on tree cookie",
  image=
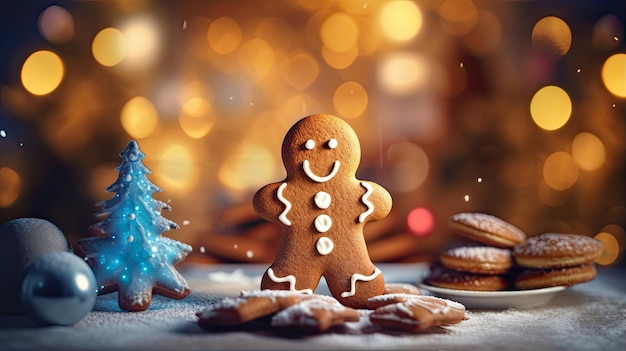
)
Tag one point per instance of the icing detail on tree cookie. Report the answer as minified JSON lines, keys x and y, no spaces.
{"x":324,"y":246}
{"x":306,"y":166}
{"x":283,"y":215}
{"x":323,"y":223}
{"x":357,"y":276}
{"x":287,"y":279}
{"x":366,"y":201}
{"x":322,"y":200}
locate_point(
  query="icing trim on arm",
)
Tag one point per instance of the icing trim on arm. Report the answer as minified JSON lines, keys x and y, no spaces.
{"x":366,"y":202}
{"x":283,"y":215}
{"x":306,"y":166}
{"x":357,"y":276}
{"x":287,"y":279}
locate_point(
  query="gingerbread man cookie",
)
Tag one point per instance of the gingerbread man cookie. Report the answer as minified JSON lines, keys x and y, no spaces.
{"x":322,"y":208}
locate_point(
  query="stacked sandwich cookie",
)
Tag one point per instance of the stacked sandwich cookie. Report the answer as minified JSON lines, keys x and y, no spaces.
{"x":503,"y":257}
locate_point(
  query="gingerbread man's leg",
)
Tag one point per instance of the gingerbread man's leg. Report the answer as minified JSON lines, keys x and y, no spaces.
{"x":299,"y":278}
{"x":353,"y":284}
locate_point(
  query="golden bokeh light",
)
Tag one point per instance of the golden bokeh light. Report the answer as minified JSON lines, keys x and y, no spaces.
{"x":194,"y":88}
{"x":402,"y":73}
{"x":296,"y":107}
{"x":256,"y":58}
{"x":248,"y":167}
{"x":224,"y":35}
{"x":142,"y":42}
{"x":42,"y":72}
{"x":176,"y":168}
{"x":549,"y":196}
{"x":340,"y":60}
{"x":560,"y":172}
{"x":350,"y":99}
{"x":197,"y":117}
{"x":400,"y":20}
{"x":370,"y":36}
{"x":550,"y":107}
{"x":458,"y":17}
{"x":299,"y":69}
{"x":408,"y":166}
{"x":109,"y":47}
{"x":588,"y":151}
{"x":611,"y":248}
{"x":552,"y":36}
{"x":10,"y":186}
{"x":56,"y":24}
{"x":614,"y":75}
{"x":339,"y":32}
{"x":139,"y":117}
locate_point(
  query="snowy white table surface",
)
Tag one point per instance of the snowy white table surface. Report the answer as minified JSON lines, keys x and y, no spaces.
{"x":589,"y":316}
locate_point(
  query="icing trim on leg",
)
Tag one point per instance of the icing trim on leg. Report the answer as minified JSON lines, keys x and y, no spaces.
{"x":357,"y":276}
{"x":288,"y":279}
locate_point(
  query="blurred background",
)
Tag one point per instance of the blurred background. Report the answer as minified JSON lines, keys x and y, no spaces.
{"x":512,"y":108}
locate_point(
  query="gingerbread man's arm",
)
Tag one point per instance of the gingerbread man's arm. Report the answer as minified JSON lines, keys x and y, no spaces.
{"x":266,"y":203}
{"x":378,"y":202}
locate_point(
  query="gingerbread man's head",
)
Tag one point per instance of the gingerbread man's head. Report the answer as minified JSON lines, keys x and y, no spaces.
{"x":320,"y":147}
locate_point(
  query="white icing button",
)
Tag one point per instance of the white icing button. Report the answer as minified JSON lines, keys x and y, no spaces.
{"x":310,"y":144}
{"x":322,"y":200}
{"x":323,"y":223}
{"x":324,"y":245}
{"x":332,"y":143}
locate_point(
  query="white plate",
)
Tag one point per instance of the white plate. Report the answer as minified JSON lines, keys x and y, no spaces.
{"x":491,"y":300}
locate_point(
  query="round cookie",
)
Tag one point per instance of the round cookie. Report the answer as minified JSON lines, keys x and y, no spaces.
{"x":451,"y":279}
{"x":564,"y":276}
{"x":478,"y":259}
{"x":322,"y":207}
{"x":21,"y":241}
{"x":551,"y":250}
{"x":486,"y":229}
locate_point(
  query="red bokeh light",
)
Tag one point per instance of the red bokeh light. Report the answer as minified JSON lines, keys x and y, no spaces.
{"x":421,"y":221}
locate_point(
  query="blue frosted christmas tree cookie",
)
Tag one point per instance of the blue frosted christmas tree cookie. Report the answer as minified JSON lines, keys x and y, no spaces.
{"x":128,"y":253}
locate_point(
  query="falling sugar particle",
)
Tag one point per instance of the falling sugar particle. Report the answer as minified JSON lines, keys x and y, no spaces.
{"x":616,"y":38}
{"x":480,"y":179}
{"x":230,"y":98}
{"x":461,"y":64}
{"x":578,"y":70}
{"x":613,"y":105}
{"x":236,"y":246}
{"x":202,"y":249}
{"x":186,"y":222}
{"x":3,"y":133}
{"x":184,"y":24}
{"x":21,"y":144}
{"x":466,"y":198}
{"x":249,"y":253}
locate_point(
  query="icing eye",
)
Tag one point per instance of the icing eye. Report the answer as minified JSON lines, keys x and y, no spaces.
{"x":310,"y":144}
{"x":332,"y":143}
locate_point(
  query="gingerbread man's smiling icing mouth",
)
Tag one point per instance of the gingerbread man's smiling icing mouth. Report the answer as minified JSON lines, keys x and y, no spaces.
{"x":306,"y":165}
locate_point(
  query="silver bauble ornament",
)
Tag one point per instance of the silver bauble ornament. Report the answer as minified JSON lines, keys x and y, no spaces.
{"x":58,"y":288}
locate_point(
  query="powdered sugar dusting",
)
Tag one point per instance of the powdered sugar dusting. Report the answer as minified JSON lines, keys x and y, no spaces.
{"x":301,"y":314}
{"x":488,"y":223}
{"x":480,"y":253}
{"x":558,"y":244}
